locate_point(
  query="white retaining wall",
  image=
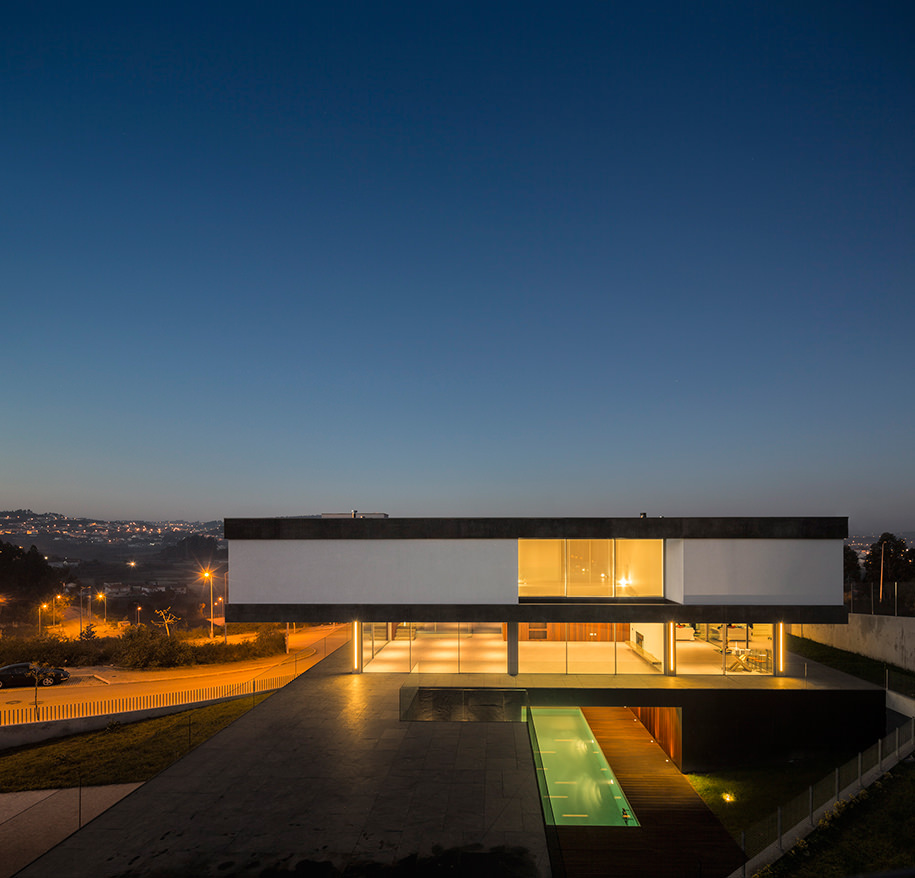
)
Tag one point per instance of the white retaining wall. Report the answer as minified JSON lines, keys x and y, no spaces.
{"x":888,"y":639}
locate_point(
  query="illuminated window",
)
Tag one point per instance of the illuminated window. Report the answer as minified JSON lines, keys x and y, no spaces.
{"x":591,"y":568}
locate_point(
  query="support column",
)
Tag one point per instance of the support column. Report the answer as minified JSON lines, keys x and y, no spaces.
{"x":670,"y":649}
{"x":778,"y":649}
{"x":512,"y":644}
{"x":357,"y":647}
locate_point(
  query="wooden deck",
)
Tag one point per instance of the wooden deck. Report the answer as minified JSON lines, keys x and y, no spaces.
{"x":678,"y":836}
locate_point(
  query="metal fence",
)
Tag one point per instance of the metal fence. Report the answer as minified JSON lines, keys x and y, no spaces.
{"x":800,"y":815}
{"x":274,"y":678}
{"x":872,"y":599}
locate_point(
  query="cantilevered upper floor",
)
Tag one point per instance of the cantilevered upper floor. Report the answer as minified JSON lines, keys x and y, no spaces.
{"x":536,"y":569}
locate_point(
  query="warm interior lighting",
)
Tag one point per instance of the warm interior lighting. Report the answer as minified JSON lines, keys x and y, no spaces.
{"x":357,"y":644}
{"x":672,"y":649}
{"x":781,"y":647}
{"x":605,"y":568}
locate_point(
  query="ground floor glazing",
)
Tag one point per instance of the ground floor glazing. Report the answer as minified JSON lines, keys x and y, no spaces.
{"x":567,"y":648}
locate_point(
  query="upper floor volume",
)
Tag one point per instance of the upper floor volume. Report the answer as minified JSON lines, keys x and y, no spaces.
{"x":506,"y":567}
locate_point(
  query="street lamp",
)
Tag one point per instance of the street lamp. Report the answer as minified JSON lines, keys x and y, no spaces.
{"x":103,"y":597}
{"x":54,"y":609}
{"x":138,"y":613}
{"x":40,"y":608}
{"x":208,"y":576}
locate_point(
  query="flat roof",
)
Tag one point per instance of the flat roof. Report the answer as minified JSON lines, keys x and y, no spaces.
{"x":768,"y":528}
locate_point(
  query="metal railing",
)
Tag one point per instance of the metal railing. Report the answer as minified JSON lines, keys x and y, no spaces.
{"x":766,"y":840}
{"x":870,"y":599}
{"x":274,"y":678}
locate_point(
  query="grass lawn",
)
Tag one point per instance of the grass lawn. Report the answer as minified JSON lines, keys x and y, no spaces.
{"x":756,"y":792}
{"x":849,"y":662}
{"x":874,"y":834}
{"x":120,"y":754}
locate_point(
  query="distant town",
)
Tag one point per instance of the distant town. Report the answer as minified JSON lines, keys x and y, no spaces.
{"x":126,"y":570}
{"x":62,"y":538}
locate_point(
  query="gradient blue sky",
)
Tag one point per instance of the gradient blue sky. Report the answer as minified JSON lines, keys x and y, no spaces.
{"x":456,"y":258}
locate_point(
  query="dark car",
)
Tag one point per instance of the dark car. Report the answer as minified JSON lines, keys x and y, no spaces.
{"x":25,"y":674}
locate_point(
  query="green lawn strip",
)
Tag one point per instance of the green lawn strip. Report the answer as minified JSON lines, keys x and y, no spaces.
{"x":757,"y":792}
{"x":120,"y":754}
{"x":860,"y":666}
{"x":875,"y":833}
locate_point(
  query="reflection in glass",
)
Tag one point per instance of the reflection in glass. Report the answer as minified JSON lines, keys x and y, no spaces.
{"x":724,"y":648}
{"x":591,"y":568}
{"x":586,"y":648}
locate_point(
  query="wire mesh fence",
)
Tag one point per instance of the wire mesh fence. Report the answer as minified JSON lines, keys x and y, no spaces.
{"x":876,"y":599}
{"x":845,"y":780}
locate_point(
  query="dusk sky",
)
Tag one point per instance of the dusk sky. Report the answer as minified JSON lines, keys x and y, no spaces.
{"x":458,"y":258}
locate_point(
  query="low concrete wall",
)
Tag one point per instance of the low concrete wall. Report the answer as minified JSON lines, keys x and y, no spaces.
{"x":888,"y":639}
{"x":35,"y":733}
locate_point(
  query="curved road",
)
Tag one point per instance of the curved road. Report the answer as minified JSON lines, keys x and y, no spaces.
{"x":104,"y":683}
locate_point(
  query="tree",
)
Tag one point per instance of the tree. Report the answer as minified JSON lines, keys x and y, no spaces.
{"x":891,"y":555}
{"x":166,"y":618}
{"x":852,"y":566}
{"x":25,"y":574}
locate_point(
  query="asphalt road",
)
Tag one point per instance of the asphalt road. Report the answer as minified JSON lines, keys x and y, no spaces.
{"x":105,"y":682}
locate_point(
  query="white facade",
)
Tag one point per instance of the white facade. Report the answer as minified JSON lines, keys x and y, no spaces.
{"x":375,"y":571}
{"x":762,"y":572}
{"x":479,"y":571}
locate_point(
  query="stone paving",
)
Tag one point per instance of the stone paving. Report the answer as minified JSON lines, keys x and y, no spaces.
{"x":34,"y":821}
{"x":324,"y":771}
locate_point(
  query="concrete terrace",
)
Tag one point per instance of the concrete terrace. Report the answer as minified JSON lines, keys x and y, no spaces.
{"x":325,"y":771}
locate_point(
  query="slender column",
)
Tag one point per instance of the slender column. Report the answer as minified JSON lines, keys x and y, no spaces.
{"x":357,"y":647}
{"x":778,"y":649}
{"x":670,"y":646}
{"x":512,"y":644}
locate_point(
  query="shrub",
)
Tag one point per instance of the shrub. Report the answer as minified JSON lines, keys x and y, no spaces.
{"x":142,"y":647}
{"x":138,"y":647}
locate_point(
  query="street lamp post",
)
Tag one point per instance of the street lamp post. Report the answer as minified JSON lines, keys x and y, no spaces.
{"x":40,"y":608}
{"x":208,"y":576}
{"x":138,"y":613}
{"x":103,"y":597}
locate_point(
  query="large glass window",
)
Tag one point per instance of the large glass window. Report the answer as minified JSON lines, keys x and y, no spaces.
{"x":589,"y":648}
{"x":722,"y":648}
{"x":591,"y":568}
{"x":435,"y":648}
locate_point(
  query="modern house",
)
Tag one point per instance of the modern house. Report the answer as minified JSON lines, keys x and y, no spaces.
{"x":613,"y":610}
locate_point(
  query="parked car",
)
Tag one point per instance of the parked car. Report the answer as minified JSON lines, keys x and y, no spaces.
{"x":25,"y":673}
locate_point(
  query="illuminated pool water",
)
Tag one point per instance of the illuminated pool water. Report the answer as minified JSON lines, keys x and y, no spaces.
{"x":577,"y":784}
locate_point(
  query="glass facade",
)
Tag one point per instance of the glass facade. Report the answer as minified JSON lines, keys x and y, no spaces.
{"x":591,"y":568}
{"x":569,"y":648}
{"x":590,"y":648}
{"x":435,"y":647}
{"x":723,"y":648}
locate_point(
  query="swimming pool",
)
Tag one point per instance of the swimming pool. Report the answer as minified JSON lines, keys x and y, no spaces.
{"x":576,"y":783}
